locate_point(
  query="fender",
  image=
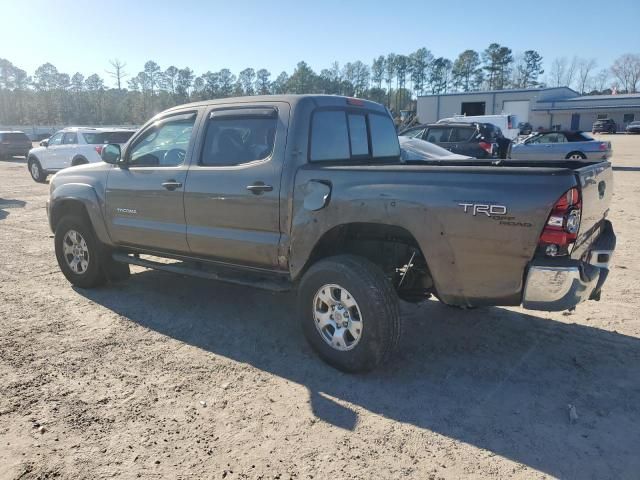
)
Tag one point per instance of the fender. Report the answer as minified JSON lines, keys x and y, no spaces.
{"x":87,"y":196}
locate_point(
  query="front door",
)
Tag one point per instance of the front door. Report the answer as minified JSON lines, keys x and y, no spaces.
{"x":575,"y":122}
{"x":51,"y":158}
{"x":232,"y":194}
{"x":145,"y":194}
{"x":68,"y":148}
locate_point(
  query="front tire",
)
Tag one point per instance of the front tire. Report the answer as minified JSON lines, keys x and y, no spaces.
{"x":349,"y":313}
{"x":79,"y":253}
{"x":36,"y":171}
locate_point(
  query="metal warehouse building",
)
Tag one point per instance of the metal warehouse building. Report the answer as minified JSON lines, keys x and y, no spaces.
{"x":548,"y":108}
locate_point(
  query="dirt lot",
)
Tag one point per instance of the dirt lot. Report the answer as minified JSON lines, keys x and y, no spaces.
{"x":170,"y":377}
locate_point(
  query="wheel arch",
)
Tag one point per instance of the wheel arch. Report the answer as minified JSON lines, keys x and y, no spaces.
{"x":578,"y":152}
{"x":79,"y":160}
{"x":78,"y":199}
{"x":388,"y":246}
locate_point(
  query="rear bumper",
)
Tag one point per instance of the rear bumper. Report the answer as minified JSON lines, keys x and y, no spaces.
{"x":561,"y":284}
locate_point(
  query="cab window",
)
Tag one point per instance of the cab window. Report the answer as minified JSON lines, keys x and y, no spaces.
{"x":349,"y":135}
{"x":164,"y":144}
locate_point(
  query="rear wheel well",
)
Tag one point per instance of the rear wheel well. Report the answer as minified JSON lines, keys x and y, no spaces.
{"x":394,"y":249}
{"x":68,"y":207}
{"x":576,"y":152}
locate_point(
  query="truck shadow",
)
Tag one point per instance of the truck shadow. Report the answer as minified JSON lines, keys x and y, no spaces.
{"x":6,"y":204}
{"x":493,"y":378}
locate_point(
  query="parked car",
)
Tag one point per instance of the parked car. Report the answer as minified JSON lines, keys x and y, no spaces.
{"x":14,"y":143}
{"x":70,"y":147}
{"x":556,"y":145}
{"x":308,"y":192}
{"x":416,"y":150}
{"x":525,"y":128}
{"x":505,"y":122}
{"x":604,"y":126}
{"x":479,"y":140}
{"x":633,"y":127}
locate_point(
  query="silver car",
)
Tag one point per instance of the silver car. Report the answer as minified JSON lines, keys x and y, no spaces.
{"x":560,"y":146}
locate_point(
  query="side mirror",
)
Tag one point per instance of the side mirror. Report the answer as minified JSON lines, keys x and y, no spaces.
{"x":111,"y":153}
{"x":44,"y":143}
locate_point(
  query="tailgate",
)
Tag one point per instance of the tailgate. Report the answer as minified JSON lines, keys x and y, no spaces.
{"x":596,"y":185}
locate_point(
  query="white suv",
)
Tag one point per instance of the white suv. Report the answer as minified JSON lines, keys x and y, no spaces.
{"x":72,"y":146}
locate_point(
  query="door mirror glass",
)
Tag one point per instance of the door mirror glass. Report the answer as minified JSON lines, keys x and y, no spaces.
{"x":111,"y":153}
{"x":44,"y":143}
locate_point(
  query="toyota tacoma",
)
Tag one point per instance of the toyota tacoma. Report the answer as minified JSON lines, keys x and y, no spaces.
{"x":309,"y":193}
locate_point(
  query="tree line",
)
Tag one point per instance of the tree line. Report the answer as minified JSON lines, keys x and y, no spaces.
{"x":53,"y":97}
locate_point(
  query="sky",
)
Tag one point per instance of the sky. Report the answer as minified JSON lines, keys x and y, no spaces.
{"x":211,"y":35}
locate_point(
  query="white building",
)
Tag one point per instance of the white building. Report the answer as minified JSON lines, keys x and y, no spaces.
{"x":547,"y":108}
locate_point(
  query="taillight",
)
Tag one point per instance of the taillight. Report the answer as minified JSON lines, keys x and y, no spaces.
{"x":99,"y":149}
{"x":487,"y":147}
{"x":603,"y":146}
{"x":561,"y":229}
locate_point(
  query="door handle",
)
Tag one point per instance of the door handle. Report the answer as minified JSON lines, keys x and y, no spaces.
{"x":259,"y":187}
{"x":171,"y":185}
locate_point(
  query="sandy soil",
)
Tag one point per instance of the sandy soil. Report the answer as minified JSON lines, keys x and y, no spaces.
{"x":170,"y":377}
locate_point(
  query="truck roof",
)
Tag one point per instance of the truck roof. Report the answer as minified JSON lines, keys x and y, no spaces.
{"x":320,"y":100}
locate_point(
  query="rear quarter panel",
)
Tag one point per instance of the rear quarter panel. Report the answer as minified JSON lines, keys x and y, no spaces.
{"x":474,"y":259}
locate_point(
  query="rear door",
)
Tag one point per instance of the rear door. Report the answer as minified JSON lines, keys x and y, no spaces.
{"x":232,"y":204}
{"x":145,"y":196}
{"x":463,"y":141}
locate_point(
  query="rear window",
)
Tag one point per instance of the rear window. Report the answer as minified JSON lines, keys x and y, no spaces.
{"x":99,"y":138}
{"x":14,"y":137}
{"x":342,"y":135}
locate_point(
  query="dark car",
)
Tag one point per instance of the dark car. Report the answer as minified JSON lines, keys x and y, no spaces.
{"x":604,"y":126}
{"x":479,"y":140}
{"x":14,"y":143}
{"x":525,"y":128}
{"x":633,"y":127}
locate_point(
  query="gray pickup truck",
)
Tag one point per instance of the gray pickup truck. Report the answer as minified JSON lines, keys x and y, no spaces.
{"x":309,"y":192}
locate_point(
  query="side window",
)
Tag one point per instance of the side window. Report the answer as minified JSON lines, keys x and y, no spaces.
{"x":56,"y":139}
{"x":236,"y":140}
{"x":70,"y":138}
{"x":163,"y":145}
{"x":384,"y":139}
{"x":329,"y":136}
{"x":438,"y":135}
{"x":462,"y":134}
{"x":358,"y":134}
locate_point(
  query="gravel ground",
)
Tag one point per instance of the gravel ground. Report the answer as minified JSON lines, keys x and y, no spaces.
{"x":171,"y":377}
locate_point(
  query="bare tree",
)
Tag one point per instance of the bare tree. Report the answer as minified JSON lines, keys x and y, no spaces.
{"x":118,"y":71}
{"x":599,"y":82}
{"x":571,"y":71}
{"x":585,"y":67}
{"x":557,"y":71}
{"x":627,"y":70}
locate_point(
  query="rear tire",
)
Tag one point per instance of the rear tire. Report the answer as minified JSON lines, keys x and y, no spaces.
{"x":349,"y":313}
{"x":576,"y":156}
{"x":36,"y":171}
{"x":79,"y":253}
